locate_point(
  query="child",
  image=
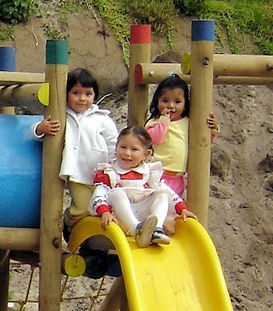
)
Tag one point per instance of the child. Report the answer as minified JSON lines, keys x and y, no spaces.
{"x":168,"y":127}
{"x":129,"y":191}
{"x":90,"y":137}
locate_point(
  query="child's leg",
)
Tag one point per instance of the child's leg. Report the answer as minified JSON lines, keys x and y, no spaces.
{"x":159,"y":207}
{"x":81,"y":195}
{"x":131,"y":225}
{"x":121,"y":207}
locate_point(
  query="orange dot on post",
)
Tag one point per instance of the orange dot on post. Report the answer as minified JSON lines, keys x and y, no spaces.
{"x":140,"y":34}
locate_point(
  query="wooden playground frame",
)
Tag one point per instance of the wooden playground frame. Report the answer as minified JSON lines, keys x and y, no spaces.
{"x":206,"y":69}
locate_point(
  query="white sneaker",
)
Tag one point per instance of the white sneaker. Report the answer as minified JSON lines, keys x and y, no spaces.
{"x":144,"y":231}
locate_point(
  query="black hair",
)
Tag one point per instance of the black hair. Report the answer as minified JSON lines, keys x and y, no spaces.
{"x":138,"y":132}
{"x":84,"y":77}
{"x":172,"y":82}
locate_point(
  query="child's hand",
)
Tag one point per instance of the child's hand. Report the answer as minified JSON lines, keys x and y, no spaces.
{"x":186,"y":213}
{"x":48,"y":126}
{"x":212,"y":124}
{"x":166,"y":113}
{"x":106,"y":218}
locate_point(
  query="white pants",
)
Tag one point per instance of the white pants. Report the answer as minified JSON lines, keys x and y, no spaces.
{"x":130,"y":214}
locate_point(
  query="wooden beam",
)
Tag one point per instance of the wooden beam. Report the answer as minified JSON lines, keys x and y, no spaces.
{"x":243,"y":65}
{"x":10,"y":78}
{"x":52,"y":185}
{"x":138,"y":96}
{"x":201,"y":106}
{"x":4,"y":279}
{"x":24,"y":95}
{"x":19,"y":238}
{"x":154,"y":73}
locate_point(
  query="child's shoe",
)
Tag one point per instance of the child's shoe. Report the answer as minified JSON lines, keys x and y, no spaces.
{"x":159,"y":236}
{"x":144,"y":231}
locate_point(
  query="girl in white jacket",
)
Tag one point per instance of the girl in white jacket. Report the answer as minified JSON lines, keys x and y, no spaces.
{"x":90,"y":138}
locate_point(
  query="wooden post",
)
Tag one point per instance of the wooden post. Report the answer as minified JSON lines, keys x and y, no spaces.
{"x":4,"y":279}
{"x":7,"y":58}
{"x":52,"y":186}
{"x":201,"y":105}
{"x":138,"y":96}
{"x":7,"y":63}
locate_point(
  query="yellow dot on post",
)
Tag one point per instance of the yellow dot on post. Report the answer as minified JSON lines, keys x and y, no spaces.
{"x":74,"y":265}
{"x":43,"y":94}
{"x":186,"y":64}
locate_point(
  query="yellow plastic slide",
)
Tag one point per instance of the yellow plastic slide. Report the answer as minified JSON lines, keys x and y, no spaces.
{"x":185,"y":275}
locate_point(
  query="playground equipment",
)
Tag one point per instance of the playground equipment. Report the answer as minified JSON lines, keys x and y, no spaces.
{"x":185,"y":275}
{"x":46,"y":239}
{"x":189,"y":267}
{"x":201,"y":69}
{"x":20,"y":168}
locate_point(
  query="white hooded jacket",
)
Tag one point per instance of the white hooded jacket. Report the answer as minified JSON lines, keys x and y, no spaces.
{"x":90,"y":138}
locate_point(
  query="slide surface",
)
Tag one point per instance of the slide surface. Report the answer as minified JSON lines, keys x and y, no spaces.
{"x":185,"y":275}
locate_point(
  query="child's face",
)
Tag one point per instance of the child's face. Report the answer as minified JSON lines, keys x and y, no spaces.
{"x":80,"y":98}
{"x":130,"y":152}
{"x":173,"y":100}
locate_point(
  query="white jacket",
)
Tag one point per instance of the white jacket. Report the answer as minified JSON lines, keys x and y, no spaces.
{"x":90,"y":138}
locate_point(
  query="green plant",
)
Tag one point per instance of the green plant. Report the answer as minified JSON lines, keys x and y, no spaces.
{"x":114,"y":12}
{"x":190,"y":7}
{"x":120,"y":14}
{"x":245,"y":17}
{"x":52,"y":32}
{"x":6,"y":32}
{"x":160,"y":14}
{"x":17,"y":11}
{"x":257,"y":21}
{"x":222,"y":13}
{"x":70,"y":6}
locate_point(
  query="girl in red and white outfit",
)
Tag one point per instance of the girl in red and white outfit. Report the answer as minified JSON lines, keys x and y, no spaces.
{"x":130,"y":192}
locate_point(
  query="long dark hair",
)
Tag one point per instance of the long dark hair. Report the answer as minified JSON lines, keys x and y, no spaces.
{"x":84,"y":77}
{"x":172,"y":82}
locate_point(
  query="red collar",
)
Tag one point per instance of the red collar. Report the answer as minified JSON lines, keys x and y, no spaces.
{"x":131,"y":176}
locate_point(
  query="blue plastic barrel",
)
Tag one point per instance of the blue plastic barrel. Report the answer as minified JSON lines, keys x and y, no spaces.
{"x":20,"y":172}
{"x":7,"y":58}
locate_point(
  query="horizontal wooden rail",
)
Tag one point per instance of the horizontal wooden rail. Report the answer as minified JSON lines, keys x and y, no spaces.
{"x":19,"y":238}
{"x":24,"y":95}
{"x":10,"y":77}
{"x":243,"y":65}
{"x":154,"y":73}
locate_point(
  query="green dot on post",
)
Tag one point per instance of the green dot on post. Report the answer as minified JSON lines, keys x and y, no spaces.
{"x":57,"y":52}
